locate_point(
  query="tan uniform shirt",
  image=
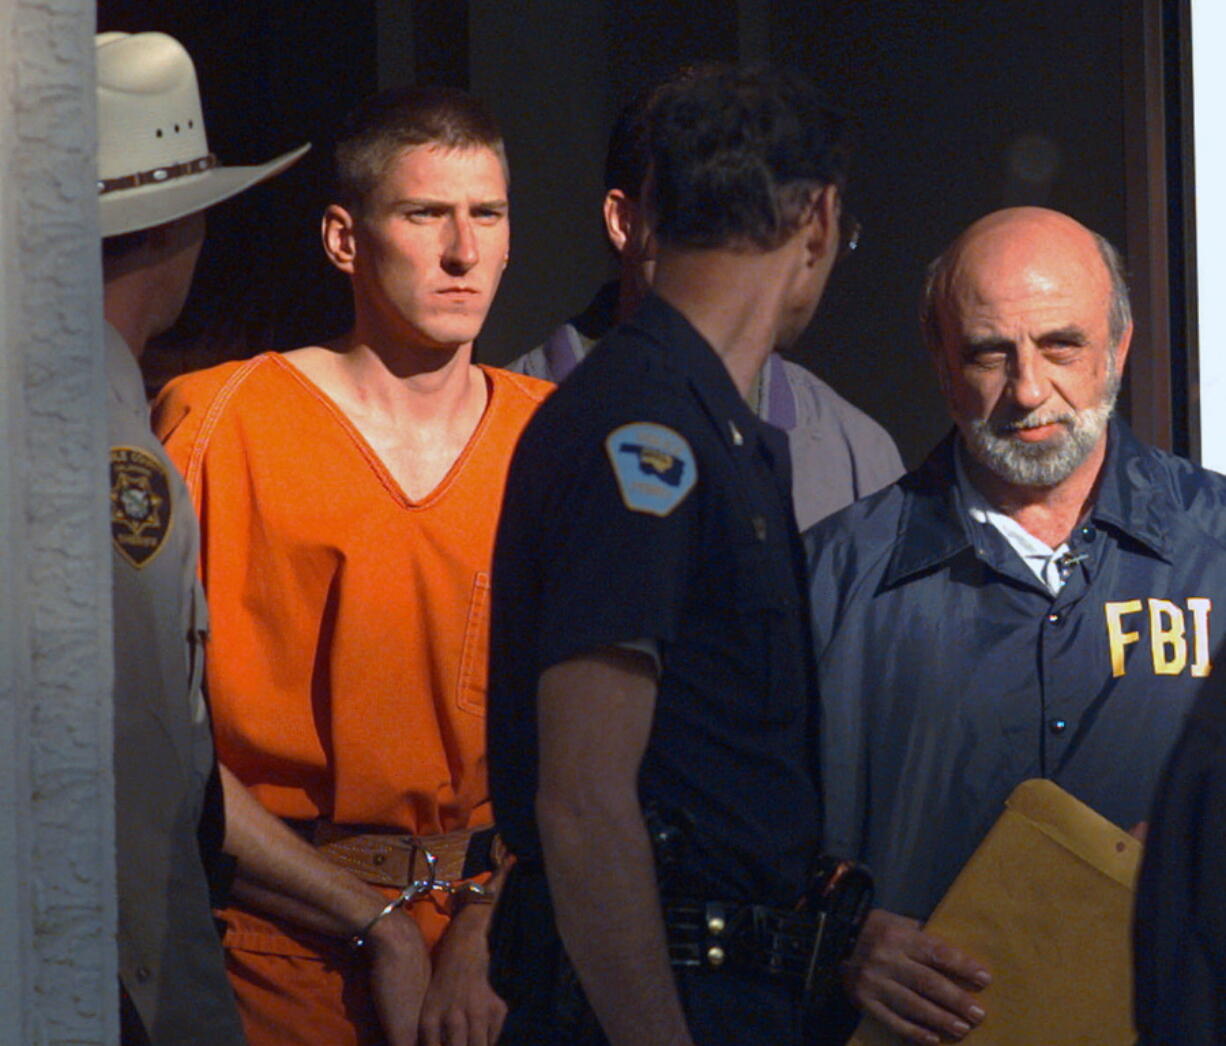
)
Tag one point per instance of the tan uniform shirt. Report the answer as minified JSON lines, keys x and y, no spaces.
{"x":170,"y":959}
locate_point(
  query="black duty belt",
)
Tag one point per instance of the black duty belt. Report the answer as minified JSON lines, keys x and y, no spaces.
{"x":801,"y":947}
{"x":715,"y":934}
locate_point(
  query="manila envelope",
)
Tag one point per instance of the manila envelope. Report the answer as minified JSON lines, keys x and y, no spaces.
{"x":1046,"y":903}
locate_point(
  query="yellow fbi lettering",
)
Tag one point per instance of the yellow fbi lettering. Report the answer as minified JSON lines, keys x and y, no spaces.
{"x":1175,"y":634}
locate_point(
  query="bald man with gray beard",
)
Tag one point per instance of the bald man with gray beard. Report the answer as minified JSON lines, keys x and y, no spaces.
{"x":1036,"y":600}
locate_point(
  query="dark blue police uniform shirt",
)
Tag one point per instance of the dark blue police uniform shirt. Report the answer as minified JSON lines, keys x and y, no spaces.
{"x":948,"y":674}
{"x":612,"y":531}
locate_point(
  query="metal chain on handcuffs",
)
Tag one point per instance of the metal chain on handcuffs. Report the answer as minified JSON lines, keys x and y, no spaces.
{"x":469,"y":892}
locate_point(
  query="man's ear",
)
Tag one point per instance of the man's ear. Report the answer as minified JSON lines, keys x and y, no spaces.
{"x":822,"y":225}
{"x":1121,"y":350}
{"x":621,"y":216}
{"x":337,"y":230}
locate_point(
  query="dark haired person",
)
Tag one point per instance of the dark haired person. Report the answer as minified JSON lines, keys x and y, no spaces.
{"x":838,"y":452}
{"x":348,"y":495}
{"x":649,"y":644}
{"x":1036,"y":600}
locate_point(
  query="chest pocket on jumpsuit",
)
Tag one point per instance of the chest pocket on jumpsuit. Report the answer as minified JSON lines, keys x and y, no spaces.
{"x":474,"y":656}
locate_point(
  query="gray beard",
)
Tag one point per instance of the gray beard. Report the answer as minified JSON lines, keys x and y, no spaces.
{"x":1040,"y":464}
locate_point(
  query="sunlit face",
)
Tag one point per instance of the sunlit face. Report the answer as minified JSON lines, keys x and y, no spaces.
{"x":1026,"y":359}
{"x":431,"y":245}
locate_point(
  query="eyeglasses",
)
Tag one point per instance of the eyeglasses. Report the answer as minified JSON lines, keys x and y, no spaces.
{"x":849,"y":234}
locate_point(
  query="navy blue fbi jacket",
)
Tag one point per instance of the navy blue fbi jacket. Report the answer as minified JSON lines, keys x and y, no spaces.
{"x":948,"y":674}
{"x":646,"y":501}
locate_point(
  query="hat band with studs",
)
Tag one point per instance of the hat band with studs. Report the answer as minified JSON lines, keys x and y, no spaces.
{"x":157,"y":175}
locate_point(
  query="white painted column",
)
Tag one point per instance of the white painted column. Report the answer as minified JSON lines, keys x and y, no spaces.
{"x":57,"y":882}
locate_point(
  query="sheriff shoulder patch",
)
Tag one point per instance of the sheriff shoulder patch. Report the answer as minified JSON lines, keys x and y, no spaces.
{"x":140,"y":504}
{"x":654,"y":466}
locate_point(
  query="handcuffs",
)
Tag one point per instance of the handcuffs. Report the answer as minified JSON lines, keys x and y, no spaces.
{"x":462,"y":894}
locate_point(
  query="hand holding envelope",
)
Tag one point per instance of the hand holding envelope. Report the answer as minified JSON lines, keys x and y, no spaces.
{"x":1046,"y":903}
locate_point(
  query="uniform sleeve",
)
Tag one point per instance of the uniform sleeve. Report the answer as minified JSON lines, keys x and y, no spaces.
{"x":620,"y":531}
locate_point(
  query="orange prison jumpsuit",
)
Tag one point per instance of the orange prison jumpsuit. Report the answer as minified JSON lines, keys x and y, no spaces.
{"x":347,"y":662}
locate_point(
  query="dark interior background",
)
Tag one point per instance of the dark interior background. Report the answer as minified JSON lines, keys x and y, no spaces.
{"x":962,"y":108}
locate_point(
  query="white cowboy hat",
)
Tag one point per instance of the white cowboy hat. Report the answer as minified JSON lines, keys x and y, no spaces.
{"x":154,"y":163}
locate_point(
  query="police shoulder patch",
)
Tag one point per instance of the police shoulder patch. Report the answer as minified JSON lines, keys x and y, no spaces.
{"x":140,"y":504}
{"x":654,"y":466}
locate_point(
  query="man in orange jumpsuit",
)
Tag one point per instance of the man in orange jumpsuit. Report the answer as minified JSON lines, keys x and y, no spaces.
{"x":348,"y":494}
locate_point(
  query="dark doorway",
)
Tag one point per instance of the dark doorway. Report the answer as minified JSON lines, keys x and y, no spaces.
{"x":963,"y":108}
